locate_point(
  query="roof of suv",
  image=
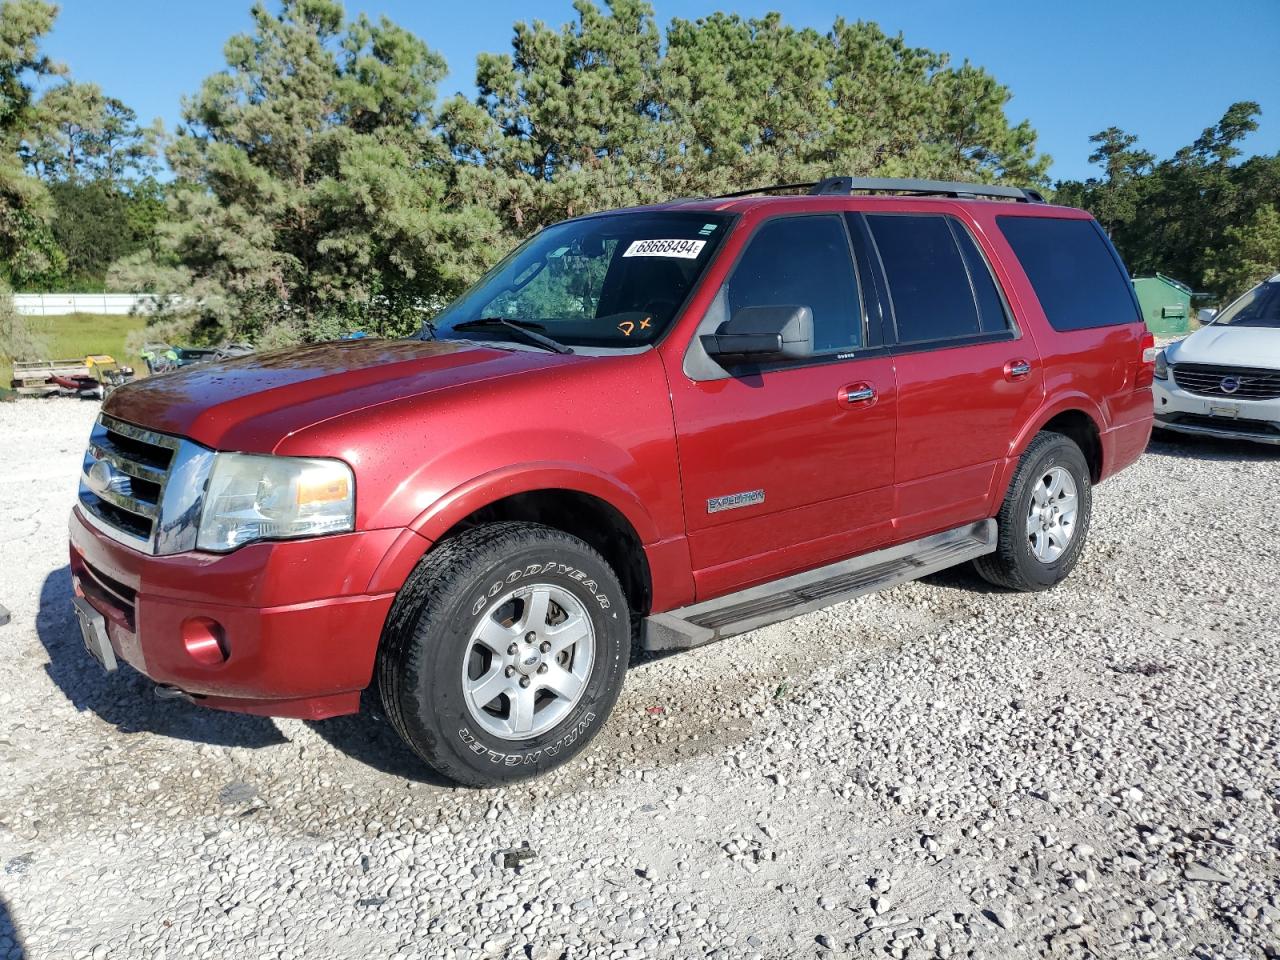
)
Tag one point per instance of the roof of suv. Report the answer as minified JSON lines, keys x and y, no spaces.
{"x":769,"y":200}
{"x":868,"y":193}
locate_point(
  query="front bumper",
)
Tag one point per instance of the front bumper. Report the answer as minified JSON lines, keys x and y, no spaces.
{"x":283,"y":629}
{"x":1184,"y":412}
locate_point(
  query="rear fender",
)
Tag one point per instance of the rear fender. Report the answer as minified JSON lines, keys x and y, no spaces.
{"x":1063,"y":404}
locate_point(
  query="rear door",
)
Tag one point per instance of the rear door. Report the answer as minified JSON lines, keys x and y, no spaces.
{"x":1083,"y":289}
{"x":787,"y":465}
{"x":967,"y":377}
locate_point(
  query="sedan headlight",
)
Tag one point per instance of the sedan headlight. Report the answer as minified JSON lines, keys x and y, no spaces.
{"x":253,"y":497}
{"x":1162,"y":366}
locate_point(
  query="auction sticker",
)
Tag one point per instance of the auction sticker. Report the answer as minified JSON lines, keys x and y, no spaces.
{"x":684,"y":249}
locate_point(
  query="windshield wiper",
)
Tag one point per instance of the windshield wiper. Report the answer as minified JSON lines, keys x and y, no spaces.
{"x":525,"y":328}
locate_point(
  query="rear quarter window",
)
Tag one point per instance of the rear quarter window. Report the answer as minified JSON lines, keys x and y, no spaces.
{"x":1074,"y":271}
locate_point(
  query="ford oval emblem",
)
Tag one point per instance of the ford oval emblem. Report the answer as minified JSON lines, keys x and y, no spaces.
{"x":1230,"y":384}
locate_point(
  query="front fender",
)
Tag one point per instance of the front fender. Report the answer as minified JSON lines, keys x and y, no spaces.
{"x":469,"y":497}
{"x":465,"y":499}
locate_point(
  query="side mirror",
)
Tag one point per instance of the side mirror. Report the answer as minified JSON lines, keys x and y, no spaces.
{"x":764,"y":333}
{"x":1206,"y":316}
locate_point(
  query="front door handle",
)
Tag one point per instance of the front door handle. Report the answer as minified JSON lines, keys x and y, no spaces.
{"x":858,"y":393}
{"x":1017,"y":369}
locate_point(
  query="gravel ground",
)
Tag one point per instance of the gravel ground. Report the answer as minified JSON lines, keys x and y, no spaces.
{"x":941,"y":770}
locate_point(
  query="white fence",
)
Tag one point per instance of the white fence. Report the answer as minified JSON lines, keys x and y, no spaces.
{"x":56,"y":304}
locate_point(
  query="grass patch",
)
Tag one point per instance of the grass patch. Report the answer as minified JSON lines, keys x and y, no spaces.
{"x":75,"y":335}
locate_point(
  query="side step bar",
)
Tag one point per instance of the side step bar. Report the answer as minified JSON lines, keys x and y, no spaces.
{"x":712,"y":620}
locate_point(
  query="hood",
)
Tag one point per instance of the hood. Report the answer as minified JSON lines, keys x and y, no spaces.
{"x":1229,"y":347}
{"x":252,"y":403}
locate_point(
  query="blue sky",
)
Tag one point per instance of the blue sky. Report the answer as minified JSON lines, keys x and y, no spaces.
{"x":1162,"y":69}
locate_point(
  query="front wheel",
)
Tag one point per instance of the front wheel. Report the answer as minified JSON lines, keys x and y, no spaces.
{"x":1044,"y":518}
{"x":505,"y":652}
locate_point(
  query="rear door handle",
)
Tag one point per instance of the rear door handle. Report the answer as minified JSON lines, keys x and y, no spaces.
{"x":857,"y":393}
{"x":1017,"y":369}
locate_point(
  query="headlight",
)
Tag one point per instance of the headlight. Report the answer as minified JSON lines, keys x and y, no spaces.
{"x":1162,"y":366}
{"x":252,"y":497}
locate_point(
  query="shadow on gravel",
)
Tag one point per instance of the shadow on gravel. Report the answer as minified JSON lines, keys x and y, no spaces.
{"x":126,"y":699}
{"x":368,"y":738}
{"x":1184,"y":445}
{"x":963,"y":577}
{"x":10,"y":940}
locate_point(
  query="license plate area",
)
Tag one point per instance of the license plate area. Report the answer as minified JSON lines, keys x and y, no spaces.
{"x":93,"y":630}
{"x":1230,"y":411}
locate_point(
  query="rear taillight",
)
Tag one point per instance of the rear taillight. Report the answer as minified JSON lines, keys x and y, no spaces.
{"x":1147,"y":368}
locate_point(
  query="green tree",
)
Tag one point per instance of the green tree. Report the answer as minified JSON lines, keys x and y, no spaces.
{"x":98,"y":222}
{"x":1118,"y":193}
{"x":1187,"y":215}
{"x":313,"y":193}
{"x":1250,"y":253}
{"x":98,"y":166}
{"x":19,"y":339}
{"x":564,"y":123}
{"x":26,"y":244}
{"x":598,"y":113}
{"x":79,"y":134}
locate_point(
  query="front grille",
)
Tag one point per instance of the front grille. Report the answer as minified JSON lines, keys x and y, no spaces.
{"x":1241,"y":383}
{"x":124,"y":476}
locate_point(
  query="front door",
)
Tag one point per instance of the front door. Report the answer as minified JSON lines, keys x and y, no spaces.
{"x":788,"y":465}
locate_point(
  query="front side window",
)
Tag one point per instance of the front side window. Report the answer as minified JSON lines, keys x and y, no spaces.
{"x":609,"y":281}
{"x":939,"y":285}
{"x":1075,"y":273}
{"x":802,"y":261}
{"x":1260,"y":307}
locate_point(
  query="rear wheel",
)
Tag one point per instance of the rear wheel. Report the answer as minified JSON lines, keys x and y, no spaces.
{"x":504,"y":653}
{"x":1044,"y":518}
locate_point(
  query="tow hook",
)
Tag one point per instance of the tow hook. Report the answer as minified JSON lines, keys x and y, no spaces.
{"x":166,"y":692}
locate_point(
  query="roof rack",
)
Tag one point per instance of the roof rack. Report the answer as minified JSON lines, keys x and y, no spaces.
{"x":942,"y":188}
{"x":811,"y":186}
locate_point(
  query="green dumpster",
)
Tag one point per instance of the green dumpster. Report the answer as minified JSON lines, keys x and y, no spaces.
{"x":1166,"y":304}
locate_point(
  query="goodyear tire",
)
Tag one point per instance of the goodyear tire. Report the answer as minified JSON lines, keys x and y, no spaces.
{"x":504,"y":652}
{"x":1044,"y":519}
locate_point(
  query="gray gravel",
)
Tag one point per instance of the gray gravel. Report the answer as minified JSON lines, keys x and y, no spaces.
{"x":939,"y":771}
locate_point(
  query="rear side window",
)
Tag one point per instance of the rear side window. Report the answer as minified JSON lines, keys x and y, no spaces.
{"x":939,"y":284}
{"x":1073,"y":270}
{"x":992,"y":316}
{"x":802,"y":261}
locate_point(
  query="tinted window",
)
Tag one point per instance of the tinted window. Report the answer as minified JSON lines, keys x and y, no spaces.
{"x":928,"y":283}
{"x":991,"y":313}
{"x":802,"y":261}
{"x":1071,"y":266}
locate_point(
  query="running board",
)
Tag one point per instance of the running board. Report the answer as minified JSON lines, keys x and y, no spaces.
{"x":712,"y":620}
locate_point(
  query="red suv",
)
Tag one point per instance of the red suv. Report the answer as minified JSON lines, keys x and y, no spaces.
{"x":669,"y":424}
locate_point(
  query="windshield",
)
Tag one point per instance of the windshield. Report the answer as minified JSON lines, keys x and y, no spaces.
{"x":610,"y":281}
{"x":1260,"y":307}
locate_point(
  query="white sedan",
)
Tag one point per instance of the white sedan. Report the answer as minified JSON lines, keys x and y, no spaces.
{"x":1224,"y":379}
